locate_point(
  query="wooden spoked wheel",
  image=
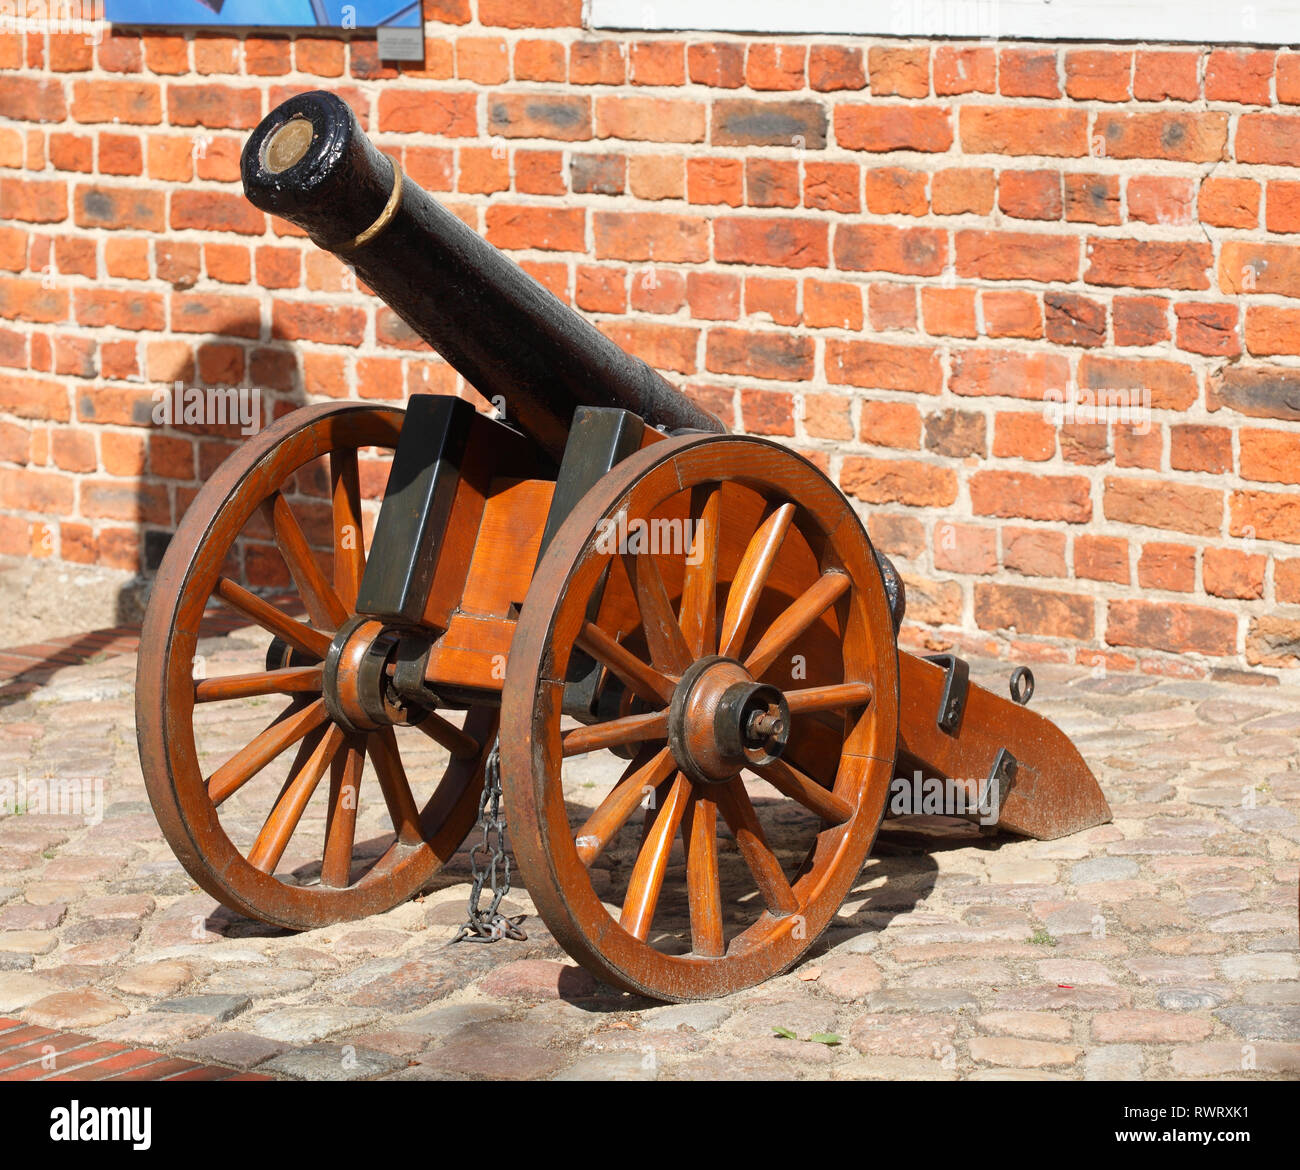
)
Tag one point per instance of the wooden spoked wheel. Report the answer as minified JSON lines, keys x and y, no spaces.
{"x":754,"y":676}
{"x":232,"y":817}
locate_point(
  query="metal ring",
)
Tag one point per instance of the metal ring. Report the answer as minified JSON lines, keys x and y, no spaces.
{"x":1022,"y":685}
{"x":385,"y":217}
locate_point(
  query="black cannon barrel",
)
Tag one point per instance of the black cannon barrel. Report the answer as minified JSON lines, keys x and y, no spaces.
{"x":514,"y":341}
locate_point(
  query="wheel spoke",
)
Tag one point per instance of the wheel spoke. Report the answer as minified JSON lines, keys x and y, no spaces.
{"x":341,"y":826}
{"x":641,"y":678}
{"x":349,"y":534}
{"x":323,"y":604}
{"x":297,"y":634}
{"x":795,"y":618}
{"x":738,"y":811}
{"x":396,"y":788}
{"x":294,"y":722}
{"x":799,"y":786}
{"x":448,"y":735}
{"x":290,"y":680}
{"x":668,"y":649}
{"x":751,"y":577}
{"x":652,"y":862}
{"x":646,"y":771}
{"x":616,"y":732}
{"x":285,"y":816}
{"x":839,"y":697}
{"x":700,"y":832}
{"x":699,"y":615}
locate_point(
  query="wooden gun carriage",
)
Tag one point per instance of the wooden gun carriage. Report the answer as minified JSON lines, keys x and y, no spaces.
{"x":602,"y":572}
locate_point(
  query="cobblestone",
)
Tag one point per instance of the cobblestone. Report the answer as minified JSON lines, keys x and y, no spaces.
{"x":1162,"y":945}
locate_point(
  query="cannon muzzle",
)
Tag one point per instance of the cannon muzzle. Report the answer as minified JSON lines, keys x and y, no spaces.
{"x":516,"y":343}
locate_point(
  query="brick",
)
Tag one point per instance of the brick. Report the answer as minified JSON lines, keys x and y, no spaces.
{"x":767,"y":412}
{"x":32,"y":99}
{"x":1265,"y":516}
{"x":715,"y":180}
{"x":1181,"y":137}
{"x":483,"y":170}
{"x":832,"y":186}
{"x":666,"y":347}
{"x":23,"y":299}
{"x":1138,"y":446}
{"x":595,"y":174}
{"x":544,"y":228}
{"x":891,"y":424}
{"x":1158,"y":504}
{"x":1074,"y":320}
{"x":903,"y":70}
{"x":1208,"y":329}
{"x":1013,"y":313}
{"x":877,"y":366}
{"x":888,"y":126}
{"x":1272,"y":456}
{"x":320,"y":58}
{"x":1006,"y":130}
{"x":233,"y":316}
{"x":771,"y":183}
{"x":657,"y":291}
{"x":1098,"y":75}
{"x":650,"y":236}
{"x":1033,"y":552}
{"x":1092,"y":199}
{"x":1148,"y":263}
{"x":126,"y":310}
{"x":1021,"y":495}
{"x":29,"y":490}
{"x":956,"y":434}
{"x":1232,"y":574}
{"x":892,"y":306}
{"x":780,"y":242}
{"x":531,"y":13}
{"x":964,"y":69}
{"x":1161,"y":200}
{"x":1286,"y":580}
{"x":832,"y":305}
{"x":1017,"y":256}
{"x":884,"y":248}
{"x":835,"y":67}
{"x":713,"y":296}
{"x":537,"y":60}
{"x":748,"y":122}
{"x":949,"y":312}
{"x":1200,"y":448}
{"x":120,"y":154}
{"x":485,"y":60}
{"x":1272,"y":330}
{"x":1169,"y":385}
{"x":775,"y":66}
{"x":1167,"y":566}
{"x":33,"y":200}
{"x":1036,"y":612}
{"x":965,"y":548}
{"x":895,"y":191}
{"x":33,"y":398}
{"x":778,"y":356}
{"x":772,"y":298}
{"x":1282,"y":209}
{"x":1166,"y":76}
{"x":827,"y":416}
{"x":1139,"y":320}
{"x":216,"y":211}
{"x":643,"y":119}
{"x":1260,"y":268}
{"x":1239,"y":75}
{"x":1229,"y":202}
{"x":127,"y":258}
{"x":1030,"y":194}
{"x":720,"y":64}
{"x":900,"y":481}
{"x":962,"y":190}
{"x":214,"y":106}
{"x":597,"y":63}
{"x":1028,"y":73}
{"x":656,"y":176}
{"x":1004,"y":373}
{"x":1101,"y":558}
{"x":1273,"y":641}
{"x":539,"y":172}
{"x":1180,"y":629}
{"x":455,"y":115}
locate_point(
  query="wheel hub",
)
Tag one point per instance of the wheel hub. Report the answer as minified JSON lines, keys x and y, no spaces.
{"x":357,"y":691}
{"x":722,"y":720}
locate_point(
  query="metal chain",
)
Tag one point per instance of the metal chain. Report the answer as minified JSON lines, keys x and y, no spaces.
{"x":490,"y":925}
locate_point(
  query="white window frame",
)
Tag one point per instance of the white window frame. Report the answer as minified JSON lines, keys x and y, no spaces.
{"x":1257,"y":22}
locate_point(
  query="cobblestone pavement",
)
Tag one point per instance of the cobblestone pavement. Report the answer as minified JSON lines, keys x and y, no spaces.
{"x":1160,"y":946}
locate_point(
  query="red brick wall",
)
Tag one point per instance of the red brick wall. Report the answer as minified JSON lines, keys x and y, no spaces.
{"x":885,"y":252}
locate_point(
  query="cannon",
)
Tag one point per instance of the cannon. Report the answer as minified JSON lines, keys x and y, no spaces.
{"x":672,"y":651}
